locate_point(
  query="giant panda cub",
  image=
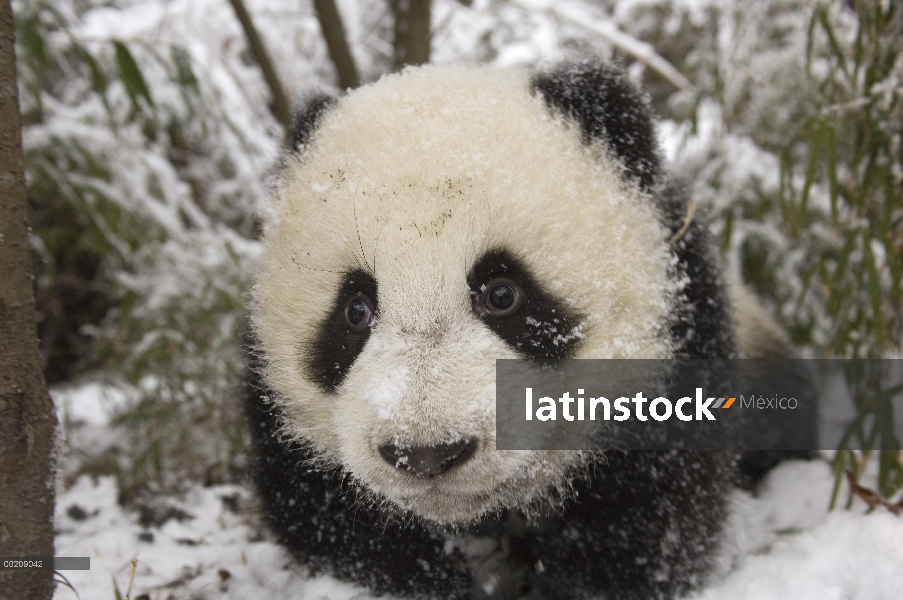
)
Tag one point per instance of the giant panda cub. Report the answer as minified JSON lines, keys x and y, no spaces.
{"x":423,"y":227}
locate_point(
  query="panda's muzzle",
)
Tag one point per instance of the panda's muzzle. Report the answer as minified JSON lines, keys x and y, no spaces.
{"x":429,"y":461}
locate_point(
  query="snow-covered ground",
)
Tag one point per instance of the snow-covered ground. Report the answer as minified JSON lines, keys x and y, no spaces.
{"x":208,"y":543}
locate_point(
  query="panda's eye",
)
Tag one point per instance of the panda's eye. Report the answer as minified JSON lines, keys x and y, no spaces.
{"x":359,"y":312}
{"x":501,"y":297}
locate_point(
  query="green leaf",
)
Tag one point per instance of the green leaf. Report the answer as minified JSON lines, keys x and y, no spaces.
{"x":839,"y":54}
{"x":839,"y":465}
{"x":830,"y":144}
{"x":134,"y":81}
{"x":874,"y":285}
{"x":785,"y":183}
{"x":98,"y":77}
{"x":29,"y":36}
{"x":810,"y":39}
{"x":817,"y":132}
{"x":184,"y":72}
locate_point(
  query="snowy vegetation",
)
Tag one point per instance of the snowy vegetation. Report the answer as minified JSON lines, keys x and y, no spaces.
{"x":148,"y":139}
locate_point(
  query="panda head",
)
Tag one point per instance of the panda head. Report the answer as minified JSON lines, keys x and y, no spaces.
{"x":433,"y":222}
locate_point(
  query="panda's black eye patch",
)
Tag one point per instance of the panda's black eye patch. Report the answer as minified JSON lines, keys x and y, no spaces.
{"x":344,"y":331}
{"x":509,"y":299}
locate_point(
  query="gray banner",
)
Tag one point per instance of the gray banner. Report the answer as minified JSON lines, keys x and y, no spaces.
{"x":736,"y":405}
{"x":72,"y":563}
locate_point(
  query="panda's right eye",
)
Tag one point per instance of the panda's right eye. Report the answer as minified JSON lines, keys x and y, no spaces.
{"x":359,"y":312}
{"x":343,"y":332}
{"x":501,"y":297}
{"x":510,"y":301}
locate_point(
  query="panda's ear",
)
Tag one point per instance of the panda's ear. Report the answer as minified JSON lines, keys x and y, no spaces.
{"x":306,"y":118}
{"x":608,"y":108}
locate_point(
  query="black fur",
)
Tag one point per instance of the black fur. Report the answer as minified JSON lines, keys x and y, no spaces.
{"x":700,"y":329}
{"x":328,"y":526}
{"x":643,"y":526}
{"x":542,"y":327}
{"x":337,"y":344}
{"x":608,"y":108}
{"x":632,"y":529}
{"x":305,"y":120}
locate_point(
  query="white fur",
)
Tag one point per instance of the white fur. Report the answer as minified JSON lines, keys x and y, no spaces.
{"x":758,"y":336}
{"x":412,"y":179}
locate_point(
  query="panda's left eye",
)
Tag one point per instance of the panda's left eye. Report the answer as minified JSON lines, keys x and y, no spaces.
{"x":501,"y":297}
{"x":359,"y":312}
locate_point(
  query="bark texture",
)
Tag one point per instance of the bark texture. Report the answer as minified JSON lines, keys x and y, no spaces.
{"x":281,"y":106}
{"x":27,"y":419}
{"x":337,"y":43}
{"x":412,"y":32}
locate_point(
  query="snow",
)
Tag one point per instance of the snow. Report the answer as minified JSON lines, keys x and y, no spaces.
{"x":215,"y":551}
{"x":386,"y":391}
{"x":91,"y":403}
{"x":788,"y":545}
{"x":608,"y":31}
{"x":846,"y":556}
{"x":209,"y":542}
{"x":793,"y":547}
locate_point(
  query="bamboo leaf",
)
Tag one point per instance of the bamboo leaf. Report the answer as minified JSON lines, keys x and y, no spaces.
{"x":810,"y":40}
{"x":29,"y":36}
{"x":839,"y":54}
{"x":99,"y":79}
{"x":874,"y":287}
{"x":830,"y":144}
{"x":785,"y":183}
{"x":814,"y":154}
{"x":184,"y":73}
{"x":889,"y":470}
{"x":131,"y":75}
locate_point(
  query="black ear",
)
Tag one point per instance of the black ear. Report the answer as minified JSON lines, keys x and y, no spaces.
{"x":306,"y":118}
{"x":608,"y":108}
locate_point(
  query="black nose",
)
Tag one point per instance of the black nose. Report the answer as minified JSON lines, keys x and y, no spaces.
{"x":428,"y":461}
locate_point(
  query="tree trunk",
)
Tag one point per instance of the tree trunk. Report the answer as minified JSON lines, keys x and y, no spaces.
{"x":27,"y":418}
{"x":281,"y":106}
{"x":337,"y":43}
{"x":412,"y":32}
{"x":417,"y":44}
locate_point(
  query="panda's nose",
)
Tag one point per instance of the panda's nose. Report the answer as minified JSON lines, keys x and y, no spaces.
{"x":428,"y":461}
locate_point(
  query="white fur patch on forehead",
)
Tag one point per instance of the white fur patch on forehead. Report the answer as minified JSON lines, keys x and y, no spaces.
{"x":412,"y":180}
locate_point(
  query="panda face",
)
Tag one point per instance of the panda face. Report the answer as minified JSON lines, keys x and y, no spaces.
{"x":439,"y":220}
